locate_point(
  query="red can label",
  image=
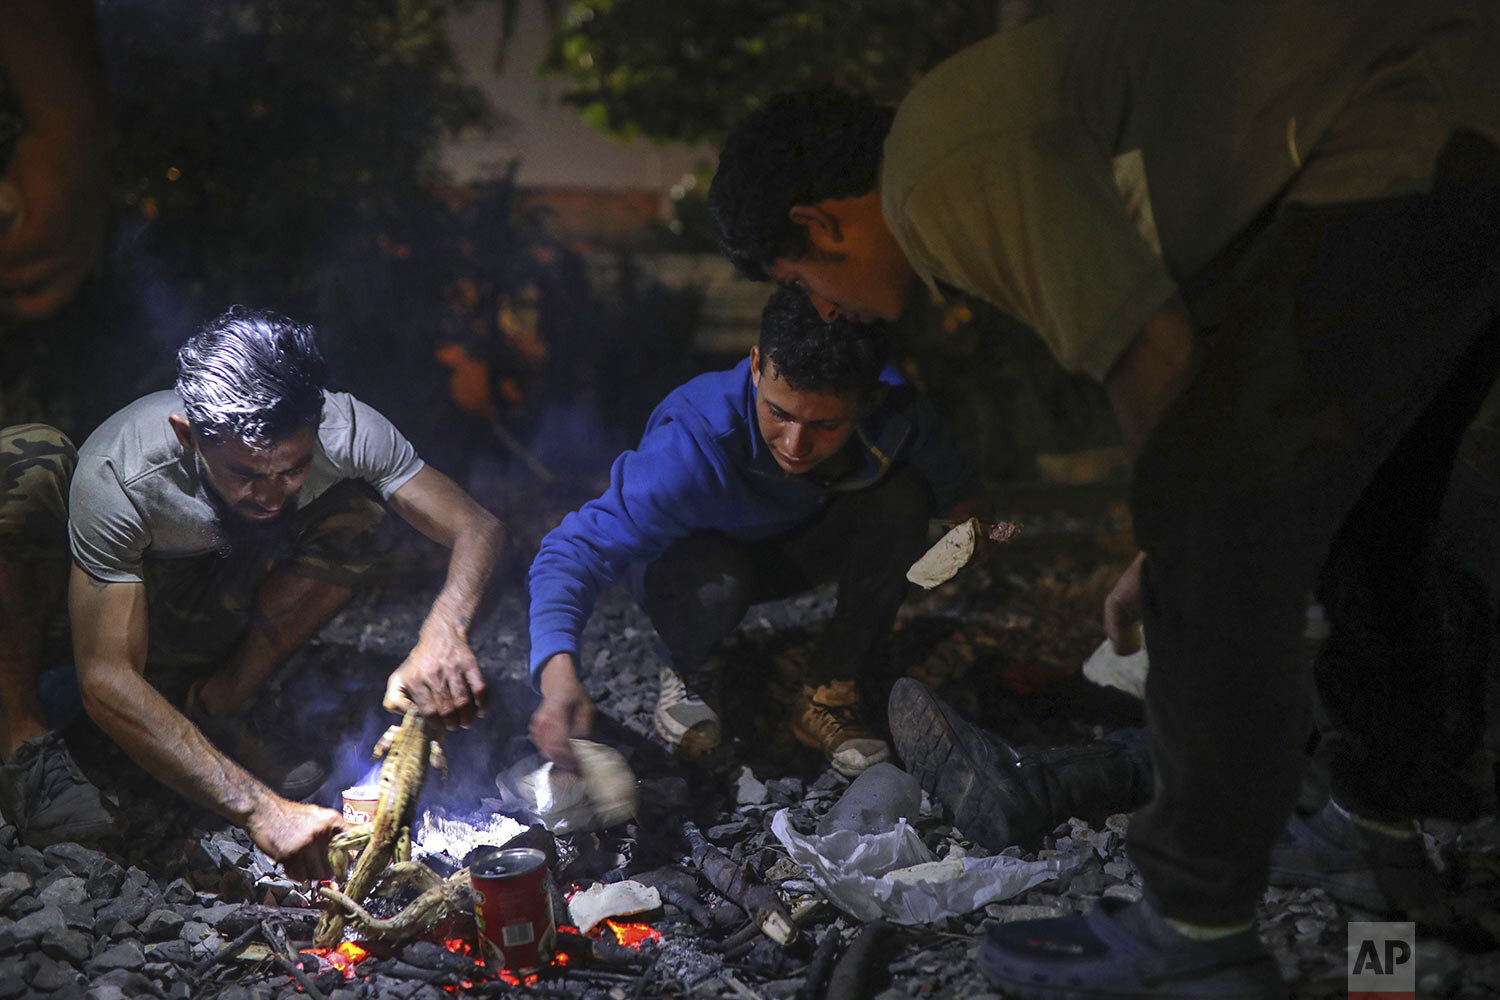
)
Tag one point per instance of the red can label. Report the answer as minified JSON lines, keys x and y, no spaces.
{"x":513,"y":908}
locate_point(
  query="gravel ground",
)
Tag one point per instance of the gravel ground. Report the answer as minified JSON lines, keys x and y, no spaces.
{"x":1002,"y":642}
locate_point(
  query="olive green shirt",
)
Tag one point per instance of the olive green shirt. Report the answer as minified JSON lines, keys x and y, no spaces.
{"x":1076,"y":170}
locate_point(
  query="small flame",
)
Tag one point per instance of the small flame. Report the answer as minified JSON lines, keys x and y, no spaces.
{"x":633,"y":935}
{"x":344,"y":958}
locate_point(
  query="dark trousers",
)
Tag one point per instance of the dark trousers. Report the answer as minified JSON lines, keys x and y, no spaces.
{"x":697,"y":592}
{"x":1310,"y":454}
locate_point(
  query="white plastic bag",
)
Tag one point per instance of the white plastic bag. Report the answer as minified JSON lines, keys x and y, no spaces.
{"x":864,"y":874}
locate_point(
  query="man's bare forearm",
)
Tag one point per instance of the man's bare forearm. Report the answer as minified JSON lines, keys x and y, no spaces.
{"x":475,"y":550}
{"x":170,"y":748}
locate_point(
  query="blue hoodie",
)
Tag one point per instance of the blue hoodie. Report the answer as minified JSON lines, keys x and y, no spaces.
{"x":702,"y":465}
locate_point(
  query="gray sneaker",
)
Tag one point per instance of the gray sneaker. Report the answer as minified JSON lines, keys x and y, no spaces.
{"x":686,"y":719}
{"x":46,"y":796}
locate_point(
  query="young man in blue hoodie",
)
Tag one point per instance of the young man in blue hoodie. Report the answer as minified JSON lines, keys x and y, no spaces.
{"x":808,"y":461}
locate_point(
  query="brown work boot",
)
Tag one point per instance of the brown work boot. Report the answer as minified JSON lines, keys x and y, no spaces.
{"x":826,"y":718}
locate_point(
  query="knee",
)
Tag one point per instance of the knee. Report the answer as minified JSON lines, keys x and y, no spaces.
{"x":708,"y":576}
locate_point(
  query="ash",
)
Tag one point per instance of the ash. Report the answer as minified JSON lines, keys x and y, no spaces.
{"x":184,"y":906}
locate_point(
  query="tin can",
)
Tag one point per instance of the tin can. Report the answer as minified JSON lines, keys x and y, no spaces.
{"x":513,"y":908}
{"x":359,"y":803}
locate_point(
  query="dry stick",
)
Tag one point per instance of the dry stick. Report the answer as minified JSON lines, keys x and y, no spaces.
{"x":848,"y":980}
{"x":739,"y":988}
{"x":757,"y":899}
{"x":687,"y":904}
{"x":816,"y":974}
{"x":226,"y":951}
{"x":295,"y":971}
{"x":640,"y":987}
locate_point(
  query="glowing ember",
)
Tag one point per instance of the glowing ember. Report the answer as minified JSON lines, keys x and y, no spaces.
{"x":633,"y":935}
{"x":344,"y":958}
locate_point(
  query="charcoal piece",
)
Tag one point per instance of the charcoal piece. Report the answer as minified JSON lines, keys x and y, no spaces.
{"x":125,"y":954}
{"x":786,"y":790}
{"x":11,"y":986}
{"x":67,"y":945}
{"x":768,"y":958}
{"x":853,"y":975}
{"x":23,"y":906}
{"x":31,"y":927}
{"x":69,"y":890}
{"x":51,"y":975}
{"x":180,"y":891}
{"x":160,"y":924}
{"x":76,"y":858}
{"x":79,"y":915}
{"x":13,"y":885}
{"x":732,"y":829}
{"x":749,"y":790}
{"x":30,"y":861}
{"x":431,"y":955}
{"x":131,"y":906}
{"x":104,"y":880}
{"x":195,"y":931}
{"x":177,"y":952}
{"x":217,"y":915}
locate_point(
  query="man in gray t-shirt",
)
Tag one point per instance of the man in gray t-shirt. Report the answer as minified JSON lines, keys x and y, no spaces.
{"x":212,"y":531}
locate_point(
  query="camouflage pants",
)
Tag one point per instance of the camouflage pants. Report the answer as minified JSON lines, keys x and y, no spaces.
{"x":198,"y":606}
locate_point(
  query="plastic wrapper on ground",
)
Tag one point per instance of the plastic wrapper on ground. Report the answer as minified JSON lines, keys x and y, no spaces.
{"x":862,"y":874}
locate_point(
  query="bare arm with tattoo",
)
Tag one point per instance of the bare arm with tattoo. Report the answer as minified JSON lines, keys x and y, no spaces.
{"x":109,"y":642}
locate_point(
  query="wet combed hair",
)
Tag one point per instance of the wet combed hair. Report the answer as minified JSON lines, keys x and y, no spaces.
{"x":253,"y":376}
{"x":841,"y":358}
{"x":797,"y":150}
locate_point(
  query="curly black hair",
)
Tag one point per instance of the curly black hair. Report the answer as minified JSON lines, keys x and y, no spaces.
{"x":253,"y":376}
{"x":841,"y":358}
{"x":799,"y":149}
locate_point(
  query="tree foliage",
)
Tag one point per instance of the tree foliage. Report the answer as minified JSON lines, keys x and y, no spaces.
{"x":685,"y":72}
{"x":255,"y":132}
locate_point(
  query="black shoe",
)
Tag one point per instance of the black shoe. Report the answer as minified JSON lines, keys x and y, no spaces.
{"x":1001,"y":795}
{"x":47,"y":798}
{"x":1358,"y":866}
{"x":276,"y":759}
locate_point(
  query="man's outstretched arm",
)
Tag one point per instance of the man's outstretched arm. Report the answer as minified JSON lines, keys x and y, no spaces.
{"x":109,"y":644}
{"x":441,"y":675}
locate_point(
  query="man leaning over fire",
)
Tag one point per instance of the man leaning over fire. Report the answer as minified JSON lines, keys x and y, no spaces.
{"x":214,"y":529}
{"x":808,"y":461}
{"x":1272,"y":231}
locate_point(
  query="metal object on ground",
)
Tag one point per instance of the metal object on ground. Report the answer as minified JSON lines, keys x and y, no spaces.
{"x":513,"y":908}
